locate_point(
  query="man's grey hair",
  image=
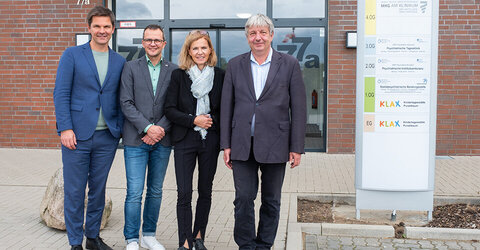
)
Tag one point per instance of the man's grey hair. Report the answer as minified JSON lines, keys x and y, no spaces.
{"x":259,"y":20}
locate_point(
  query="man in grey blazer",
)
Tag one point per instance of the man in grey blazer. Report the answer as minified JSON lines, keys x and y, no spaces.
{"x":143,"y":86}
{"x":263,"y":120}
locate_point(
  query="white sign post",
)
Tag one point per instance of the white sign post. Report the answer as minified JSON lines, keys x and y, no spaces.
{"x":397,"y":54}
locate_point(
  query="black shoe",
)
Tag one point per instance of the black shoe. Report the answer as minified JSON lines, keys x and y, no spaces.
{"x":97,"y":244}
{"x":199,"y":244}
{"x":77,"y":247}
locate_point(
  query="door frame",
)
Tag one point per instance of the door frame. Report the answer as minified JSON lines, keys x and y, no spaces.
{"x":170,"y":25}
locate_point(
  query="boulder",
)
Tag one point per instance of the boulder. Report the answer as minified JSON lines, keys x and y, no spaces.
{"x":51,"y":208}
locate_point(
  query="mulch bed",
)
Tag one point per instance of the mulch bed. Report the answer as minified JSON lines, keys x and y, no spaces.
{"x":314,"y":212}
{"x":456,"y":216}
{"x":449,"y":216}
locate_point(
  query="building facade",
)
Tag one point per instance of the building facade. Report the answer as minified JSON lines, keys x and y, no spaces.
{"x":33,"y":35}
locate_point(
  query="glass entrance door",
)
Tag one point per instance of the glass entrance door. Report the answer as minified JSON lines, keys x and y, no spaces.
{"x":306,"y":44}
{"x":227,"y":43}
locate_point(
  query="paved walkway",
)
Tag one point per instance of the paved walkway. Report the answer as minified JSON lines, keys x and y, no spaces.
{"x":315,"y":242}
{"x":26,"y":172}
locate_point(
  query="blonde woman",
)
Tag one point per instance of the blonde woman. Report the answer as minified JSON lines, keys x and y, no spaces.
{"x":193,"y":107}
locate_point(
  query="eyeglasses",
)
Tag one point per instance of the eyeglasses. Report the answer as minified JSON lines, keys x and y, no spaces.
{"x":156,"y":41}
{"x":201,"y":32}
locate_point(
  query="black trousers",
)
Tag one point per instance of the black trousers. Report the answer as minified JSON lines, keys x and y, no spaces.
{"x":186,"y":153}
{"x":245,"y":176}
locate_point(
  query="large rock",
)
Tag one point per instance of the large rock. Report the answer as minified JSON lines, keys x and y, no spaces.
{"x":51,"y":208}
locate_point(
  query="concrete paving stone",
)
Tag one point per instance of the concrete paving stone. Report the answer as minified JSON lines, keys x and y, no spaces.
{"x":405,"y":245}
{"x":346,"y":240}
{"x":388,"y":240}
{"x":452,"y":245}
{"x":232,"y":244}
{"x":385,"y":245}
{"x":438,"y":243}
{"x":476,"y":243}
{"x":310,"y":242}
{"x":225,"y":248}
{"x":333,"y":238}
{"x":411,"y":241}
{"x":333,"y":246}
{"x":21,"y":244}
{"x":395,"y":240}
{"x":372,"y":242}
{"x":359,"y":241}
{"x":278,"y":244}
{"x":224,"y":237}
{"x":365,"y":248}
{"x":466,"y":245}
{"x":321,"y":241}
{"x":62,"y":243}
{"x":281,"y":244}
{"x":312,"y":229}
{"x":425,"y":244}
{"x":55,"y":237}
{"x":333,"y":241}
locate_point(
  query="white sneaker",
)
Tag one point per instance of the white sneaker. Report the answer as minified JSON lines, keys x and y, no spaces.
{"x":133,"y":246}
{"x":149,"y":242}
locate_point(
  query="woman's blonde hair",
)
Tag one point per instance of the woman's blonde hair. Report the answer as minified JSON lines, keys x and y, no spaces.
{"x":185,"y":61}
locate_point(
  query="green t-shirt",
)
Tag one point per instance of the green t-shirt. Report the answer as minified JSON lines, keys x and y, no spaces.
{"x":101,"y":61}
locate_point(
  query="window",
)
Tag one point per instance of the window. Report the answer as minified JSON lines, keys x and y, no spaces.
{"x":298,"y":9}
{"x":139,"y":9}
{"x":208,"y":9}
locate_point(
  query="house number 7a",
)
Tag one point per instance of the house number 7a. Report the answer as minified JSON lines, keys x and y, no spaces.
{"x":292,"y":48}
{"x":83,"y":2}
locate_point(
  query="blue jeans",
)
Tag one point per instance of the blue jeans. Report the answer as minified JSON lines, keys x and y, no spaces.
{"x":136,"y":160}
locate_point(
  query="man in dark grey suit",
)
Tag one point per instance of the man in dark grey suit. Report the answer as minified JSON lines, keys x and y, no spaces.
{"x":263,"y":120}
{"x":143,"y":86}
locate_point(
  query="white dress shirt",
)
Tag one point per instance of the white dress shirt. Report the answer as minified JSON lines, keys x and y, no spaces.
{"x":259,"y":74}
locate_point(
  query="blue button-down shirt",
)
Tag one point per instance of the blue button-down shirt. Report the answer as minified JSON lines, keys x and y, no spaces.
{"x":259,"y":74}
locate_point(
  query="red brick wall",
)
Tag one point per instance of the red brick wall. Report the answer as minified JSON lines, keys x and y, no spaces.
{"x":342,"y":17}
{"x":458,"y":113}
{"x":33,"y":35}
{"x":458,"y":110}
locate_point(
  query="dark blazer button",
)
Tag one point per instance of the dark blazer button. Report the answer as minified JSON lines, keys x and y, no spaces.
{"x":97,"y":109}
{"x":257,"y":104}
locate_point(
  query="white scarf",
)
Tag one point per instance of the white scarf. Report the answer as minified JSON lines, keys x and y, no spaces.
{"x":202,"y":83}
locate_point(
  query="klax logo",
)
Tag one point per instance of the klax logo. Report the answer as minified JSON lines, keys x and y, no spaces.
{"x":390,"y":124}
{"x":390,"y":104}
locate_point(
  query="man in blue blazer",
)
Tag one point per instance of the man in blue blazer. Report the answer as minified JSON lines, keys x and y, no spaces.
{"x":262,"y":126}
{"x":89,"y":122}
